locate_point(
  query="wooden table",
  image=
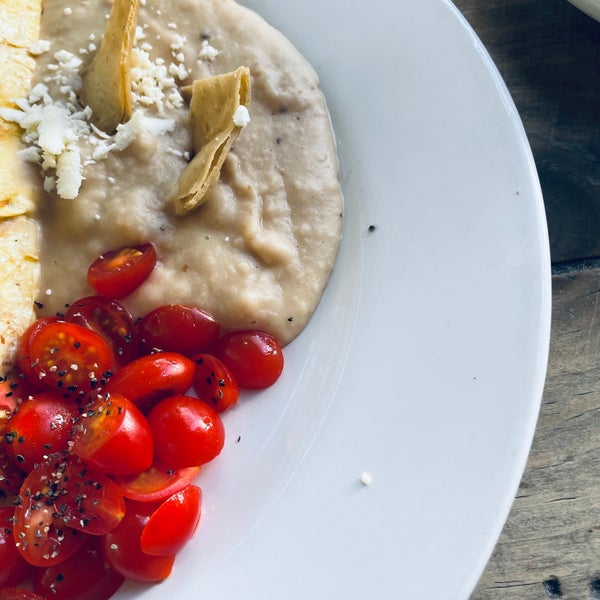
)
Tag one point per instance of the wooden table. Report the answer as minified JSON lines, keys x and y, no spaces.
{"x":549,"y":55}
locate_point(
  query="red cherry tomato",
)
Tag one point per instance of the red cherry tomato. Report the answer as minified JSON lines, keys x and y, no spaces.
{"x":114,"y":436}
{"x":69,"y":358}
{"x":14,"y":569}
{"x":178,"y":328}
{"x":119,"y":272}
{"x":16,"y":593}
{"x":12,"y":392}
{"x":41,"y":536}
{"x":122,"y":547}
{"x":150,"y":378}
{"x":11,"y":478}
{"x":84,"y":576}
{"x":87,"y":500}
{"x":173,"y":523}
{"x":41,"y":427}
{"x":254,"y":357}
{"x":110,"y":319}
{"x":23,"y":352}
{"x":214,"y":383}
{"x":186,"y":431}
{"x":155,"y":484}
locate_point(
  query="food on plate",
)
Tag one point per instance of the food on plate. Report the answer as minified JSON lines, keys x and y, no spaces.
{"x":173,"y":166}
{"x":19,"y":238}
{"x":258,"y":251}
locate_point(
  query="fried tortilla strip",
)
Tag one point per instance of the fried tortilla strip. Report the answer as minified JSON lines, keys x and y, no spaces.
{"x":19,"y":234}
{"x":214,"y":103}
{"x":107,"y":80}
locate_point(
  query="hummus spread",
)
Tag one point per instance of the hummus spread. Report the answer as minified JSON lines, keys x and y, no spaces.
{"x":259,"y":251}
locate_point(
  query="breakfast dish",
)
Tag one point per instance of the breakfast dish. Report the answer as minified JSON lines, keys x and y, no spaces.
{"x":260,"y":249}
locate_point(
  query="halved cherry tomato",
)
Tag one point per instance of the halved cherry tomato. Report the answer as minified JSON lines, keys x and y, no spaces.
{"x":84,"y":576}
{"x":214,"y":383}
{"x":187,"y":432}
{"x":114,"y":436}
{"x":14,"y":569}
{"x":178,"y":328}
{"x":41,"y":536}
{"x":87,"y":500}
{"x":13,"y":391}
{"x":23,"y":352}
{"x":119,"y":272}
{"x":110,"y":319}
{"x":254,"y":357}
{"x":122,"y":547}
{"x":157,"y":483}
{"x":173,"y":523}
{"x":11,"y":477}
{"x":16,"y":593}
{"x":150,"y":378}
{"x":69,"y":357}
{"x":41,"y":426}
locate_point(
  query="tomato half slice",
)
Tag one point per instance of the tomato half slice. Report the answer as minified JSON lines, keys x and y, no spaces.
{"x":157,"y":483}
{"x":119,"y":272}
{"x":69,"y":358}
{"x":87,"y":500}
{"x":23,"y":352}
{"x":14,"y":569}
{"x":214,"y":383}
{"x":178,"y":328}
{"x":173,"y":523}
{"x":84,"y":576}
{"x":150,"y":378}
{"x":40,"y":534}
{"x":254,"y":357}
{"x":42,"y":426}
{"x":110,"y":319}
{"x":114,"y":436}
{"x":122,"y":547}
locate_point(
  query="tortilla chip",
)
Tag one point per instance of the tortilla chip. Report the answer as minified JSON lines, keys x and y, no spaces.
{"x":214,"y":102}
{"x":107,"y":80}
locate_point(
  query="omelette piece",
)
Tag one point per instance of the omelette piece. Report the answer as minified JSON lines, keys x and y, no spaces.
{"x":19,"y":234}
{"x":107,"y":80}
{"x":214,"y":110}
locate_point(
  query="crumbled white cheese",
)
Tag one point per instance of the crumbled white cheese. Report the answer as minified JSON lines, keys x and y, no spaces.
{"x":179,"y":71}
{"x":152,"y":85}
{"x":366,"y":478}
{"x":68,"y":11}
{"x":68,"y":173}
{"x":179,"y":42}
{"x":241,"y":117}
{"x":40,"y":47}
{"x":208,"y":52}
{"x":172,"y":25}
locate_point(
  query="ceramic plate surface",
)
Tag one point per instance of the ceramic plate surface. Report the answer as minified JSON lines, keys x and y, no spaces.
{"x":424,"y":364}
{"x":590,"y":7}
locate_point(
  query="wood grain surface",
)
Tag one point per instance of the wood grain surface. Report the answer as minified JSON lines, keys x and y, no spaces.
{"x":548,"y":53}
{"x":550,"y":546}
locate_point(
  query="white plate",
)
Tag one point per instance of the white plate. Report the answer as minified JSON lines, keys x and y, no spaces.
{"x":590,"y":7}
{"x":425,"y":362}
